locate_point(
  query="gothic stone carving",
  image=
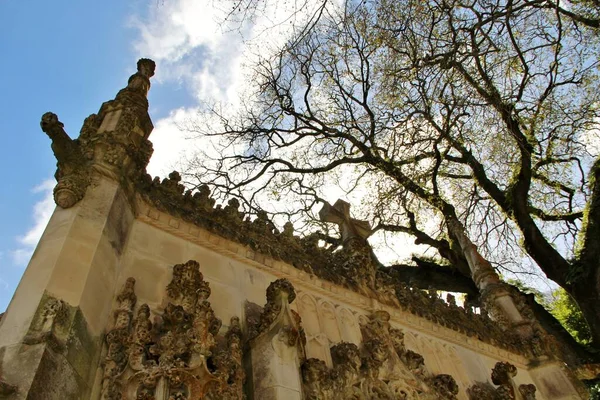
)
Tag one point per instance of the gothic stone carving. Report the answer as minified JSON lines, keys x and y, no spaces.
{"x":50,"y":323}
{"x":280,"y":294}
{"x":352,"y":267}
{"x":502,"y":375}
{"x":382,"y":369}
{"x":169,"y":356}
{"x":72,"y":174}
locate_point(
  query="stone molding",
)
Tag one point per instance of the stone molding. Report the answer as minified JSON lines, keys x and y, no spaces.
{"x":305,"y":281}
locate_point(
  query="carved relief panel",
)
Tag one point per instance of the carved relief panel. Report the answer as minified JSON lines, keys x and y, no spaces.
{"x":380,"y":368}
{"x":174,"y":353}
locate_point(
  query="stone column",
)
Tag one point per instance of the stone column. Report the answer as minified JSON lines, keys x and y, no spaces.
{"x":276,"y":352}
{"x":495,"y":294}
{"x":51,"y":333}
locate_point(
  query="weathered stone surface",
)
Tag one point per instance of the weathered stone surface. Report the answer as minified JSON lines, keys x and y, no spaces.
{"x":353,"y":266}
{"x":164,"y":339}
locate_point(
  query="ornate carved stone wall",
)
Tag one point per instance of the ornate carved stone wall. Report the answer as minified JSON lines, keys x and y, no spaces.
{"x":110,"y":309}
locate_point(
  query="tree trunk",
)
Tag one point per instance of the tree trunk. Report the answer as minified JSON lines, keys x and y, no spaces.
{"x":585,"y":292}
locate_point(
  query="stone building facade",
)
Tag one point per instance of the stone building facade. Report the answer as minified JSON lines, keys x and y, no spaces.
{"x":140,"y":289}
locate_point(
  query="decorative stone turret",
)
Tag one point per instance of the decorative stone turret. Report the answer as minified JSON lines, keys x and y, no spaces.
{"x":113,"y":142}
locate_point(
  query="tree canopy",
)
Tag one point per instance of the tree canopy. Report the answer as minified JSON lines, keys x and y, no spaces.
{"x":436,"y":116}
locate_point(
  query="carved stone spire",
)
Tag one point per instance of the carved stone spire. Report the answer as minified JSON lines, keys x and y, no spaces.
{"x":114,"y":142}
{"x":496,"y":296}
{"x":277,"y":349}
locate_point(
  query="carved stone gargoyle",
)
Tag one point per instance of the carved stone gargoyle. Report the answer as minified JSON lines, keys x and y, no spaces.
{"x":72,"y":173}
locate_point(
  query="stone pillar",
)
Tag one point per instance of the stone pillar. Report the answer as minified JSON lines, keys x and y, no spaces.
{"x":495,"y":294}
{"x":276,"y":352}
{"x":51,"y":333}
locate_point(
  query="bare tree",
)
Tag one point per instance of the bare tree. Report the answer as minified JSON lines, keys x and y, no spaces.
{"x":475,"y":113}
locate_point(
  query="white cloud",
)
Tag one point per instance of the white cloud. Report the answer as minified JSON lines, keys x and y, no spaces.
{"x":170,"y":142}
{"x":42,"y":211}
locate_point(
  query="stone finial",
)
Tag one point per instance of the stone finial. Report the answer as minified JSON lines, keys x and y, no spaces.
{"x":350,"y":228}
{"x":146,"y":67}
{"x":125,"y":152}
{"x":281,"y":289}
{"x":140,"y":81}
{"x":277,"y":315}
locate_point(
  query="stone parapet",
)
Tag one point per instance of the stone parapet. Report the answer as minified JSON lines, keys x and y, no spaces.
{"x":413,"y":307}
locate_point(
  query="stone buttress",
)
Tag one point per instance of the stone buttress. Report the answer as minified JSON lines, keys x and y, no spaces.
{"x":51,"y":334}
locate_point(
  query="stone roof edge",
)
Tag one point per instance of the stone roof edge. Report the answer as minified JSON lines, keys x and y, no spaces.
{"x":189,"y":231}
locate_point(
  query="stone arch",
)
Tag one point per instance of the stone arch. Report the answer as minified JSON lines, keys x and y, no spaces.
{"x":316,"y":341}
{"x":349,"y":327}
{"x":453,"y":365}
{"x":428,"y":351}
{"x":410,"y":341}
{"x":329,"y":323}
{"x":307,"y":308}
